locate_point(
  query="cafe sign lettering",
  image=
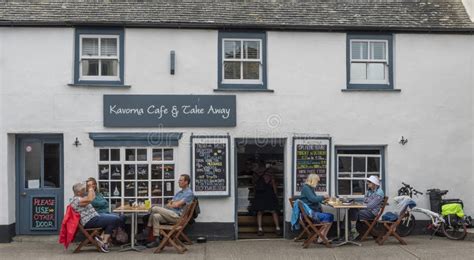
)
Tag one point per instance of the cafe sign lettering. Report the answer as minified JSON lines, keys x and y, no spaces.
{"x":169,"y":110}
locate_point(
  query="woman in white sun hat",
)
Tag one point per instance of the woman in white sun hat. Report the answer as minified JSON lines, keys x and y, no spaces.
{"x":372,"y":199}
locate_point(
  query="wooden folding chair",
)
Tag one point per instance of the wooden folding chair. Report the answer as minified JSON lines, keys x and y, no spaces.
{"x":314,"y":230}
{"x":371,"y":223}
{"x":182,"y":236}
{"x":391,"y":228}
{"x":171,"y":233}
{"x":89,"y":233}
{"x":305,"y":232}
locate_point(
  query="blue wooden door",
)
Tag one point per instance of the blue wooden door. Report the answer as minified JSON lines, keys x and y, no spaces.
{"x":40,"y":184}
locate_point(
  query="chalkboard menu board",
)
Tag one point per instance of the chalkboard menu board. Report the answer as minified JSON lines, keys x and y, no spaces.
{"x":43,"y":215}
{"x":311,"y":156}
{"x":210,"y":161}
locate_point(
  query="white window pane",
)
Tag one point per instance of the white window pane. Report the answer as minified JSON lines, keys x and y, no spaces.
{"x":359,"y":164}
{"x":251,"y":70}
{"x":376,"y":71}
{"x":90,"y":46}
{"x":373,"y":164}
{"x":251,"y":50}
{"x":344,"y":187}
{"x":377,"y":50}
{"x":109,"y":67}
{"x":90,"y":67}
{"x":232,"y":49}
{"x":358,"y":71}
{"x":359,"y":50}
{"x":345,"y":164}
{"x":108,"y":47}
{"x":231,"y":70}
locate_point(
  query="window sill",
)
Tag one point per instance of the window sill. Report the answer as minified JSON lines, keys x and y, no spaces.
{"x":243,"y":90}
{"x":95,"y":85}
{"x":370,"y":90}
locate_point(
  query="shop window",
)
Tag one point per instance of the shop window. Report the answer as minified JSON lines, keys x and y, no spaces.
{"x":369,"y":61}
{"x":136,"y":174}
{"x":242,"y":60}
{"x":354,"y":165}
{"x":99,"y":56}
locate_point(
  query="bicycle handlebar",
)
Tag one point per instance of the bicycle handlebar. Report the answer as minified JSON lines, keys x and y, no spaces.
{"x":412,"y":189}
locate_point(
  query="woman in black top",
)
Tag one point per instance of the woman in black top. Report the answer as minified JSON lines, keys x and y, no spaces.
{"x":265,"y":195}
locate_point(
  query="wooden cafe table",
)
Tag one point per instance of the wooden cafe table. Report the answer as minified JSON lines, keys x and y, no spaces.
{"x":134,"y":213}
{"x":345,"y":207}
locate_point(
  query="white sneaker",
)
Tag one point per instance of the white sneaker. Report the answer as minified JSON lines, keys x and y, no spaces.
{"x":102,"y":246}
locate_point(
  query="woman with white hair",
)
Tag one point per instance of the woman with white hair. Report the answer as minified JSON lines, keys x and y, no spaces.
{"x":309,"y":197}
{"x":81,"y":203}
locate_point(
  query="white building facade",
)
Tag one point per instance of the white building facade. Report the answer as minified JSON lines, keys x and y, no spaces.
{"x":395,"y":103}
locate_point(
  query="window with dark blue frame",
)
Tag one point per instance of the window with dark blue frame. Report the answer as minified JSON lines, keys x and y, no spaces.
{"x":242,"y":60}
{"x":99,"y":56}
{"x":369,"y":61}
{"x":354,"y":164}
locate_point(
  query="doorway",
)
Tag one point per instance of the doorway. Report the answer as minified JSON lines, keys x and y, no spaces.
{"x":252,"y":158}
{"x":40,"y":180}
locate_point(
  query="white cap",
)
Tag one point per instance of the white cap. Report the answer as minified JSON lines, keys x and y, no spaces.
{"x":374,"y":180}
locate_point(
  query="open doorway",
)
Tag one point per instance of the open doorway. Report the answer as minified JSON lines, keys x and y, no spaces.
{"x":260,"y":188}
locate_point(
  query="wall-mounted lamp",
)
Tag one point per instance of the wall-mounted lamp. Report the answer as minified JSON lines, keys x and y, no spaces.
{"x":403,"y":141}
{"x":76,"y":142}
{"x":172,"y":62}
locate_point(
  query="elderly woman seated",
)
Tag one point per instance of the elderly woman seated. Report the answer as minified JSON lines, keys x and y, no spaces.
{"x":81,"y":203}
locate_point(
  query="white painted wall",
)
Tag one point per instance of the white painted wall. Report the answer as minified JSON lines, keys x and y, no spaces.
{"x":469,"y":5}
{"x":305,"y":69}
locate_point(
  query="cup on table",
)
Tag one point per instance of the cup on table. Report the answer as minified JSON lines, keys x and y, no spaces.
{"x":147,"y":204}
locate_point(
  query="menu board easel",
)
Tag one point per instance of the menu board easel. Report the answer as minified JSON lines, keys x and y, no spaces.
{"x":311,"y":155}
{"x":210,"y":165}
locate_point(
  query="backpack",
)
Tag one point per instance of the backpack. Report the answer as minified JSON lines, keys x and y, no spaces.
{"x":196,"y":212}
{"x":390,"y":216}
{"x":121,"y":236}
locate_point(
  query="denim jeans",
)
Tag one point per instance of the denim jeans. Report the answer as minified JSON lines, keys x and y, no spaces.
{"x":108,"y":222}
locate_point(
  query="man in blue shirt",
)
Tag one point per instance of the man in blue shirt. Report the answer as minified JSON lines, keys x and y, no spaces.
{"x":171,"y":213}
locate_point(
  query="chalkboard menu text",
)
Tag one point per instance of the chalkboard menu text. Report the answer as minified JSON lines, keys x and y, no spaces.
{"x":210,"y":167}
{"x":311,"y":156}
{"x":43,"y":213}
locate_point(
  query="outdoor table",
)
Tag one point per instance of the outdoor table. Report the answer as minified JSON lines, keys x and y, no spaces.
{"x":134,"y":213}
{"x":339,"y":207}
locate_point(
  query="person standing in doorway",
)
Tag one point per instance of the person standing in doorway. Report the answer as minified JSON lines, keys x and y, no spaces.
{"x":265,"y":195}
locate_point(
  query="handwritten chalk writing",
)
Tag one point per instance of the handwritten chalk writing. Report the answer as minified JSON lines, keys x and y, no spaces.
{"x":43,"y":212}
{"x":311,"y":159}
{"x":210,"y":167}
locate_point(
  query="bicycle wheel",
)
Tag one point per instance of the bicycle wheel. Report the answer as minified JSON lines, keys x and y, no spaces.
{"x":454,"y":231}
{"x":407,"y":225}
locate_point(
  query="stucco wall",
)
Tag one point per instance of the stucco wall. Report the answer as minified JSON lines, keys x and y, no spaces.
{"x":306,"y":70}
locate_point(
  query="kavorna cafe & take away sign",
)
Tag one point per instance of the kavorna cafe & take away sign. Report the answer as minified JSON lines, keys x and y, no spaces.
{"x":169,"y":110}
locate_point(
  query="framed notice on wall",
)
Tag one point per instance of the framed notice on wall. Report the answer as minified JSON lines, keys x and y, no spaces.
{"x":311,"y":155}
{"x":210,"y":165}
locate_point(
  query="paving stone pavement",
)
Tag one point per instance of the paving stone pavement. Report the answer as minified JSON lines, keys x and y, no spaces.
{"x":419,"y":247}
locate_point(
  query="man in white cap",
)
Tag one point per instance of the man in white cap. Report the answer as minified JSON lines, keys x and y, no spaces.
{"x":373,"y":199}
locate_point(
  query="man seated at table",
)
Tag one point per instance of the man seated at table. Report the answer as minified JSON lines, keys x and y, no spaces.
{"x":373,"y":199}
{"x":171,"y":213}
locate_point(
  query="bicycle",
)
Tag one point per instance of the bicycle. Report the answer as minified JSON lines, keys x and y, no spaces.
{"x":455,"y":230}
{"x":408,"y":223}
